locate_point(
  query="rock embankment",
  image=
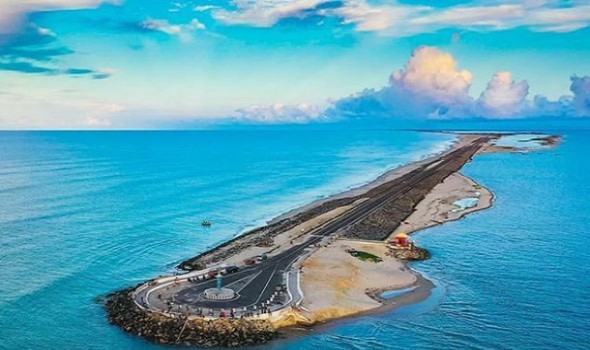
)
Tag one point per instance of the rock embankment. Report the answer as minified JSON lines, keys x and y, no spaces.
{"x":379,"y":224}
{"x":123,"y":312}
{"x":414,"y":254}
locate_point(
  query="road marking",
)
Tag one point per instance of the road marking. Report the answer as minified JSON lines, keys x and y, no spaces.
{"x":266,"y":285}
{"x":245,"y":285}
{"x":299,"y":287}
{"x":288,"y":291}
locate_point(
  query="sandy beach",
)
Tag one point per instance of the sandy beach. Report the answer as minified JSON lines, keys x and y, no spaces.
{"x":336,"y":284}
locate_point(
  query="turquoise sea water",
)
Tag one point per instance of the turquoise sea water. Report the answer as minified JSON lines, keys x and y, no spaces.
{"x":82,"y":214}
{"x":85,"y":213}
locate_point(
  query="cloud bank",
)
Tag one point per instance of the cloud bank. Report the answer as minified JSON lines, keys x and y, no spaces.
{"x":279,"y":113}
{"x":402,"y":19}
{"x":429,"y":85}
{"x":432,"y":86}
{"x":263,"y":13}
{"x":503,"y":97}
{"x":581,"y":89}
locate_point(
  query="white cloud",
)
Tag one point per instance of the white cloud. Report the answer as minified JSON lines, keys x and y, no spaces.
{"x":203,"y":8}
{"x":406,"y":20}
{"x":196,"y":24}
{"x":429,"y":85}
{"x":503,"y":97}
{"x":581,"y":89}
{"x":183,"y":31}
{"x":397,"y":19}
{"x":263,"y":13}
{"x":12,"y":12}
{"x":434,"y":75}
{"x":279,"y":113}
{"x":370,"y":18}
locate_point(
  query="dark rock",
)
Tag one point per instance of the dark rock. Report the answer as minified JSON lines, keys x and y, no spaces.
{"x":414,"y":254}
{"x":123,"y":312}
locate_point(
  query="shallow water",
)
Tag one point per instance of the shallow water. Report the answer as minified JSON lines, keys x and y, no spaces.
{"x":465,"y":203}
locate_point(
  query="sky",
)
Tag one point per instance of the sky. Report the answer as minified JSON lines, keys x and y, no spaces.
{"x":120,"y":64}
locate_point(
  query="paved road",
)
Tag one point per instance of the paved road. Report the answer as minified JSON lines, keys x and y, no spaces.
{"x":256,"y":284}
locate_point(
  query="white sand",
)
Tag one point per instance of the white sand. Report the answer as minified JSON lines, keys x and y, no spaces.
{"x":287,"y":239}
{"x":334,"y":283}
{"x":437,"y":207}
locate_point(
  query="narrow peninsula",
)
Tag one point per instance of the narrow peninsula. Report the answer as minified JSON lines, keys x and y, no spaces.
{"x":337,"y":257}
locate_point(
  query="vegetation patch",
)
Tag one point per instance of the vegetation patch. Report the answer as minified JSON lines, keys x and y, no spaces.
{"x":364,"y":256}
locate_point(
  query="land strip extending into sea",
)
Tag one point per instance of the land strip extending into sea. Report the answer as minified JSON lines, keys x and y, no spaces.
{"x":337,"y":257}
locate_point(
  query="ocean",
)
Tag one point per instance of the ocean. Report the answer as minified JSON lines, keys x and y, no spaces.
{"x":86,"y":213}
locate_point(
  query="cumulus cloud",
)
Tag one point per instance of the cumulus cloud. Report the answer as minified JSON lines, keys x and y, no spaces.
{"x":433,"y":74}
{"x":279,"y":113}
{"x":503,"y":97}
{"x":580,"y":87}
{"x":575,"y":105}
{"x":430,"y":84}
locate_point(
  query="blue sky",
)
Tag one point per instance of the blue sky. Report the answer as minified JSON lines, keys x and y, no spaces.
{"x":144,"y":63}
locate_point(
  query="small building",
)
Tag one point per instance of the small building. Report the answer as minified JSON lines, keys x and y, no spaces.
{"x":401,"y":239}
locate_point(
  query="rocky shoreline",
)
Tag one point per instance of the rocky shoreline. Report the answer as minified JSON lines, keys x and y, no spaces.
{"x":159,"y":329}
{"x":414,"y":254}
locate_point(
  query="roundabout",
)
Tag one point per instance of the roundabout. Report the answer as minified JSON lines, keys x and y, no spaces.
{"x":219,"y":292}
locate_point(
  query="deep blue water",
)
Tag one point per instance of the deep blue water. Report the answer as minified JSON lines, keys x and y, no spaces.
{"x":82,"y":214}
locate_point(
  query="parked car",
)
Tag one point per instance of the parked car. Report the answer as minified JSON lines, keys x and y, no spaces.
{"x":262,"y":257}
{"x":232,"y":269}
{"x":213,"y":274}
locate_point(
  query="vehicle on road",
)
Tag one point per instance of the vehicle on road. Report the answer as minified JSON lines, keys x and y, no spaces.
{"x":232,"y":269}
